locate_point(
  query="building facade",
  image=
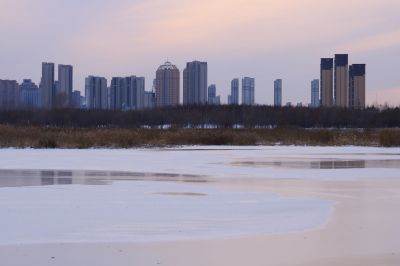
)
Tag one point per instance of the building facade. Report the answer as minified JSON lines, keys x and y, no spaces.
{"x":76,"y":100}
{"x":149,"y":99}
{"x":96,"y":92}
{"x":9,"y":94}
{"x":315,"y":100}
{"x":195,"y":79}
{"x":248,"y":91}
{"x":234,"y":92}
{"x":47,"y":85}
{"x":278,"y":93}
{"x":327,"y":82}
{"x":29,"y":95}
{"x":63,"y":95}
{"x":357,"y":83}
{"x":167,"y":85}
{"x":341,"y":90}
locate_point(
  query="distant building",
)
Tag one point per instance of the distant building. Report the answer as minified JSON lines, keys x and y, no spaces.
{"x":29,"y":95}
{"x":213,"y":99}
{"x":357,"y":86}
{"x":47,"y":85}
{"x":76,"y":100}
{"x":341,"y":90}
{"x":234,"y":92}
{"x":96,"y":92}
{"x":327,"y":82}
{"x":288,"y":104}
{"x":126,"y":93}
{"x":149,"y":99}
{"x":167,"y":86}
{"x":9,"y":94}
{"x":195,"y":79}
{"x":278,"y":92}
{"x":63,"y":95}
{"x":248,"y":88}
{"x":315,"y":101}
{"x":229,"y":99}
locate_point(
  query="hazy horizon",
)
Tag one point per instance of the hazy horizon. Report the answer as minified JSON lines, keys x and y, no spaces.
{"x":264,"y":39}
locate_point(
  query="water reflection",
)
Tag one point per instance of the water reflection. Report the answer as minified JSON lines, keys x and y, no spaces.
{"x":22,"y":178}
{"x":322,"y":164}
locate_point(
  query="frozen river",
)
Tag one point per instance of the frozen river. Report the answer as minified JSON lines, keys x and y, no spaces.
{"x":147,"y":195}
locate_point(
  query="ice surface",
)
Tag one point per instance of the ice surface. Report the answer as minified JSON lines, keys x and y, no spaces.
{"x":218,"y":162}
{"x":142,"y":211}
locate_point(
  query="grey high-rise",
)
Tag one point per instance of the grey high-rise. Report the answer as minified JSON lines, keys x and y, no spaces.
{"x":127,"y":93}
{"x":234,"y":92}
{"x":248,"y":88}
{"x":278,"y":93}
{"x":341,"y":90}
{"x":327,"y":82}
{"x":195,"y":81}
{"x":47,"y":85}
{"x":96,"y":92}
{"x":63,"y":95}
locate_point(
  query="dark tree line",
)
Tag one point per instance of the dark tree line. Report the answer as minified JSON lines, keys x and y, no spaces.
{"x":204,"y":116}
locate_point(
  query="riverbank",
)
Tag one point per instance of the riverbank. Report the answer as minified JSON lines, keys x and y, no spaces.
{"x":82,"y":138}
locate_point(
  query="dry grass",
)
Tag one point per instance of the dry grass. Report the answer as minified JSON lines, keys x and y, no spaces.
{"x":81,"y":138}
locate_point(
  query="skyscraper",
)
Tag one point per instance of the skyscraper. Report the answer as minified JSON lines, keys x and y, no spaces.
{"x":315,"y":101}
{"x":9,"y":96}
{"x":212,"y":93}
{"x":278,"y":92}
{"x":126,"y":93}
{"x":341,"y":90}
{"x":195,"y":83}
{"x":63,"y":95}
{"x":96,"y":92}
{"x":235,"y":91}
{"x":248,"y":88}
{"x":29,"y":94}
{"x":47,"y":85}
{"x":167,"y":85}
{"x":357,"y":86}
{"x":327,"y":82}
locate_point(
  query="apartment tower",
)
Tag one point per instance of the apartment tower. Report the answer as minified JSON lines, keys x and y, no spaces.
{"x":327,"y":82}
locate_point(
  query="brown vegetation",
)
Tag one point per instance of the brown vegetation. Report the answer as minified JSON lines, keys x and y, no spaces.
{"x":57,"y":137}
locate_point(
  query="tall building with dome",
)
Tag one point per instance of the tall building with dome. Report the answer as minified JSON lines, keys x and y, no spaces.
{"x":167,"y":85}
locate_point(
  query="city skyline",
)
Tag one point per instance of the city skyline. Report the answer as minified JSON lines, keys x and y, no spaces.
{"x":140,"y":42}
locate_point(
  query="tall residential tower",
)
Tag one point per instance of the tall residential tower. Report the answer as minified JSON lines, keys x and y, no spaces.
{"x":327,"y":82}
{"x":167,"y":85}
{"x":248,"y":91}
{"x":47,"y":85}
{"x":195,"y":80}
{"x":357,"y":86}
{"x":341,"y":90}
{"x":278,"y":93}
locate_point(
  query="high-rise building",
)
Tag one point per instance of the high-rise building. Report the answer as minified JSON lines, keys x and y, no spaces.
{"x":126,"y":93}
{"x":278,"y":92}
{"x":357,"y":83}
{"x":315,"y":101}
{"x":116,"y":92}
{"x":9,"y":96}
{"x":149,"y":99}
{"x":195,"y":83}
{"x":63,"y":95}
{"x":229,"y":99}
{"x":341,"y":90}
{"x":327,"y":82}
{"x":234,"y":91}
{"x":167,"y":85}
{"x":248,"y":91}
{"x":96,"y":92}
{"x":29,"y":95}
{"x":47,"y":85}
{"x":76,"y":99}
{"x":212,"y":93}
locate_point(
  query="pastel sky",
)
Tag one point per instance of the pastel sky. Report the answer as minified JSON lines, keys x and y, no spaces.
{"x":265,"y":39}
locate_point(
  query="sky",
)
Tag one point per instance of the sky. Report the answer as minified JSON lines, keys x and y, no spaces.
{"x":264,"y":39}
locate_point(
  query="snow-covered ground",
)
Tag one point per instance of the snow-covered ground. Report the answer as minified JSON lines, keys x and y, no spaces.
{"x":216,"y":162}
